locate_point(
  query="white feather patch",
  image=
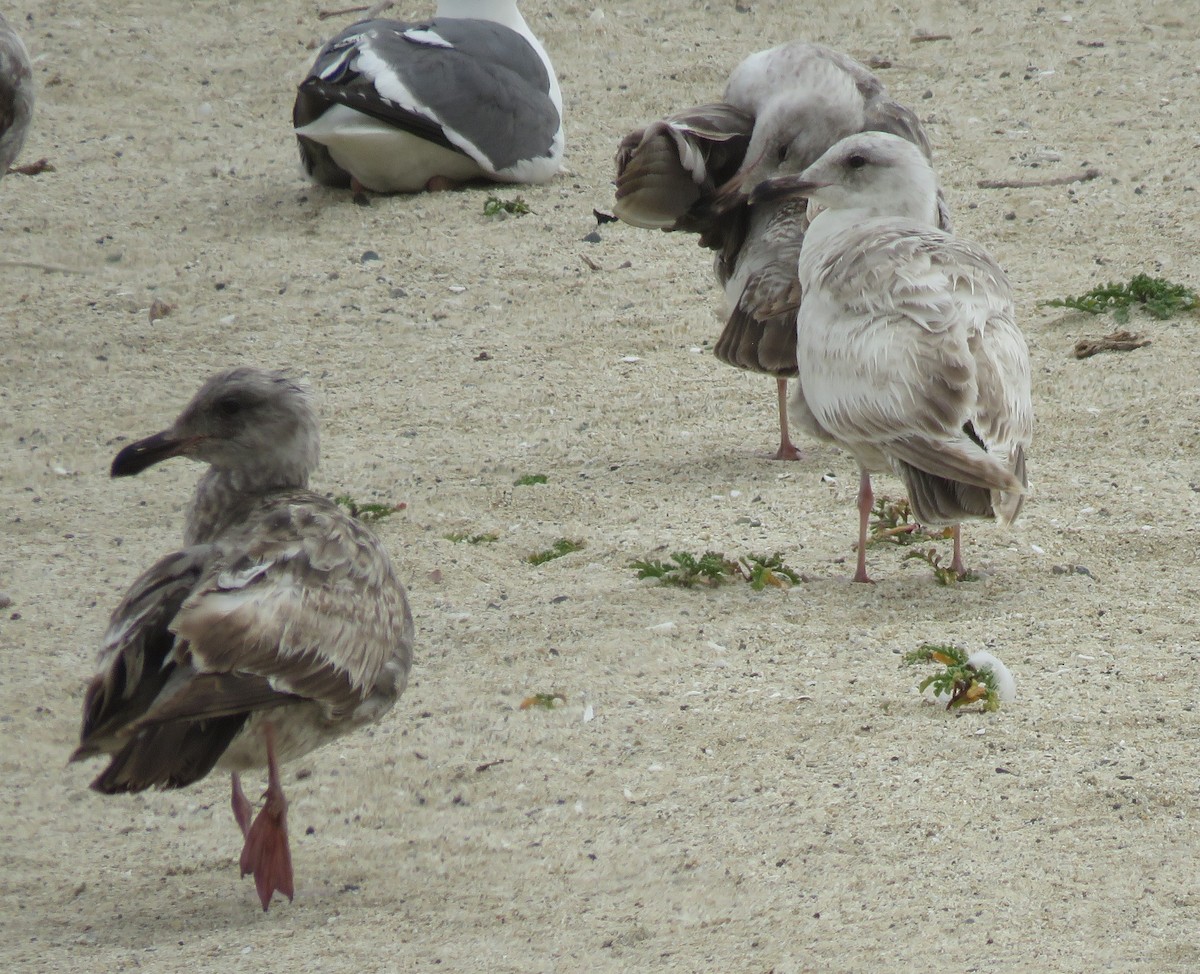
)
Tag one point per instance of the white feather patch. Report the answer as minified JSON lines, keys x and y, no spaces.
{"x":227,"y":581}
{"x":429,"y":38}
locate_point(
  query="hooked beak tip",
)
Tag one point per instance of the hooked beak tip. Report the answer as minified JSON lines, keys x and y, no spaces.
{"x":145,"y":453}
{"x":784,"y":188}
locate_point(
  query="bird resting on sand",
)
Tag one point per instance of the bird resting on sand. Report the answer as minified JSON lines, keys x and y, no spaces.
{"x":276,"y":628}
{"x":909,"y":353}
{"x":692,"y":171}
{"x":398,"y":107}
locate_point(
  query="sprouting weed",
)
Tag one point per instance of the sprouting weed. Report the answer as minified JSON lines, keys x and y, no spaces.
{"x":944,"y":574}
{"x":1160,"y":298}
{"x":958,"y":680}
{"x":486,"y":537}
{"x":530,"y":479}
{"x":546,"y":701}
{"x":712,"y":568}
{"x":893,"y":522}
{"x":563,"y":546}
{"x":762,"y":571}
{"x":685,"y":569}
{"x":366,"y":512}
{"x":494,"y":206}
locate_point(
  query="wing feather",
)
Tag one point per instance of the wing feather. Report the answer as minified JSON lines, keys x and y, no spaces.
{"x":307,"y":600}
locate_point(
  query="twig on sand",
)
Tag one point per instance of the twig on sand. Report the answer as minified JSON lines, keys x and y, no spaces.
{"x":39,"y":265}
{"x":33,"y":168}
{"x":1082,"y":177}
{"x":920,"y":38}
{"x":1118,"y":341}
{"x":371,"y":11}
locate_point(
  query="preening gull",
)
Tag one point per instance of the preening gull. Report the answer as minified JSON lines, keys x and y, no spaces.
{"x":909,"y":352}
{"x":278,"y":627}
{"x":401,"y":107}
{"x":16,"y":95}
{"x":691,"y":171}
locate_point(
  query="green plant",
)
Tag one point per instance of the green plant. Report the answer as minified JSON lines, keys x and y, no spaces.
{"x":563,"y":546}
{"x":546,"y":701}
{"x":1160,"y":298}
{"x":366,"y":512}
{"x":686,"y":570}
{"x":958,"y":680}
{"x":893,"y":522}
{"x":529,"y":479}
{"x":762,"y":571}
{"x":486,"y":537}
{"x":944,"y":574}
{"x":494,"y":206}
{"x":712,"y":568}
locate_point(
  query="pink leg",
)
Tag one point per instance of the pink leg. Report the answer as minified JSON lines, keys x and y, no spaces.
{"x":866,"y":499}
{"x":787,"y":450}
{"x":242,"y":809}
{"x":957,"y":565}
{"x":266,"y":853}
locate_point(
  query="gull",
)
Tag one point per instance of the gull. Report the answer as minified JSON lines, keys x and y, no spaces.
{"x":909,"y":353}
{"x":399,"y":107}
{"x":16,"y":95}
{"x":691,"y":171}
{"x":277,"y":627}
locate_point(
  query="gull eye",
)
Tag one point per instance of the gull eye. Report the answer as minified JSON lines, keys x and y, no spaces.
{"x":229,"y":407}
{"x":856,"y":161}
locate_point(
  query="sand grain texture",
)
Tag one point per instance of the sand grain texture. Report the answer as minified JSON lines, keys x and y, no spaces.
{"x":760,"y":787}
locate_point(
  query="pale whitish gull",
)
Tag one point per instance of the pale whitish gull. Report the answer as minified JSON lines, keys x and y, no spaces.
{"x":403,"y":107}
{"x":909,"y":352}
{"x":16,"y":95}
{"x":690,"y":171}
{"x":278,"y":627}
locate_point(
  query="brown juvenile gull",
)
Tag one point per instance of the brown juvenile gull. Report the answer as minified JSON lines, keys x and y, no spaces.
{"x":691,"y":171}
{"x":401,"y":107}
{"x":909,"y":352}
{"x":16,"y":95}
{"x":278,"y":627}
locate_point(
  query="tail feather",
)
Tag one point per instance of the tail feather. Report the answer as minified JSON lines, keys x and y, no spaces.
{"x":761,"y":345}
{"x":1008,"y":504}
{"x":967,"y":485}
{"x":169,"y":755}
{"x":940,"y":500}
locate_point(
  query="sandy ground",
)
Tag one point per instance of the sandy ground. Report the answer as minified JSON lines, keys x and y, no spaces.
{"x":760,"y":786}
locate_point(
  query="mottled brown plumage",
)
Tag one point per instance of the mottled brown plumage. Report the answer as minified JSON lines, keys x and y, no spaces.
{"x":277,"y":628}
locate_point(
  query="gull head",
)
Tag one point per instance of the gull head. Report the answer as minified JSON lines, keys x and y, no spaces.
{"x":790,"y":132}
{"x":875,"y":172}
{"x":254,"y":422}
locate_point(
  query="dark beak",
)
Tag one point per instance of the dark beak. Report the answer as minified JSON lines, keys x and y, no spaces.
{"x":145,"y":453}
{"x":732,"y":194}
{"x":784,"y":188}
